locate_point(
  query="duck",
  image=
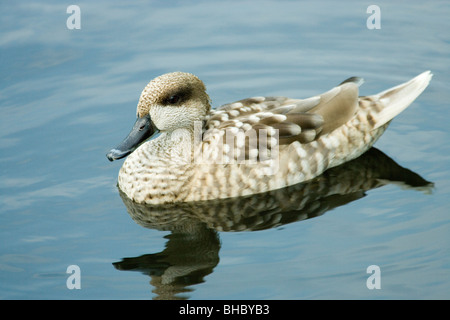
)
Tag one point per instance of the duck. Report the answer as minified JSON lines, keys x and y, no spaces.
{"x":180,"y":149}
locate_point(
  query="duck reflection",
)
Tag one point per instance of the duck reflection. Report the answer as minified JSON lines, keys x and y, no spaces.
{"x":192,"y":249}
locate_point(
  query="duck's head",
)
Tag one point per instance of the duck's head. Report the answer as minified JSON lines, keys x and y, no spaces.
{"x":169,"y":102}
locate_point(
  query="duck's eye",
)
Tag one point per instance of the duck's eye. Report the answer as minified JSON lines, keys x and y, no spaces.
{"x":174,"y":99}
{"x":177,"y":97}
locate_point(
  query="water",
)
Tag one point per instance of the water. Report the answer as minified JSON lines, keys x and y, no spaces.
{"x":68,"y":96}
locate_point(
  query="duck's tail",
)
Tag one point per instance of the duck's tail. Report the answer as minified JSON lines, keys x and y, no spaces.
{"x":398,"y":98}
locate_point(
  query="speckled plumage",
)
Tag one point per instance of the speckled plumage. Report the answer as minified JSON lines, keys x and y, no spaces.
{"x":335,"y":187}
{"x":253,"y":145}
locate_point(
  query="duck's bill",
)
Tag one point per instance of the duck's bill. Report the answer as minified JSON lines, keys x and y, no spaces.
{"x":142,"y":130}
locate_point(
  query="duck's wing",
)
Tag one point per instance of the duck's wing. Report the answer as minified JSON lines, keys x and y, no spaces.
{"x":283,"y":119}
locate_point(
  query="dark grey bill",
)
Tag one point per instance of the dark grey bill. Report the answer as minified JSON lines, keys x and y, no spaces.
{"x":142,"y":130}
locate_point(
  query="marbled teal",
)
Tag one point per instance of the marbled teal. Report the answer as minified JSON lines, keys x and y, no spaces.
{"x":250,"y":146}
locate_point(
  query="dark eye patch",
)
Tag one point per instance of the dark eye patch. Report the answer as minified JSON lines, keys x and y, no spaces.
{"x":177,"y":97}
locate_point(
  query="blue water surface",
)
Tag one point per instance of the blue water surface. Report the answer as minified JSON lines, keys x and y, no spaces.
{"x":69,"y":95}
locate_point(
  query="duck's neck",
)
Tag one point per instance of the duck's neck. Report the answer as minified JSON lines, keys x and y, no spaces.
{"x":177,"y":144}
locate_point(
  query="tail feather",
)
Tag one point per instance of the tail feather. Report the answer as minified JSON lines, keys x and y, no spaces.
{"x":398,"y":98}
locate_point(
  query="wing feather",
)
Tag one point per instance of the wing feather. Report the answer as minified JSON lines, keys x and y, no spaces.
{"x":278,"y":121}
